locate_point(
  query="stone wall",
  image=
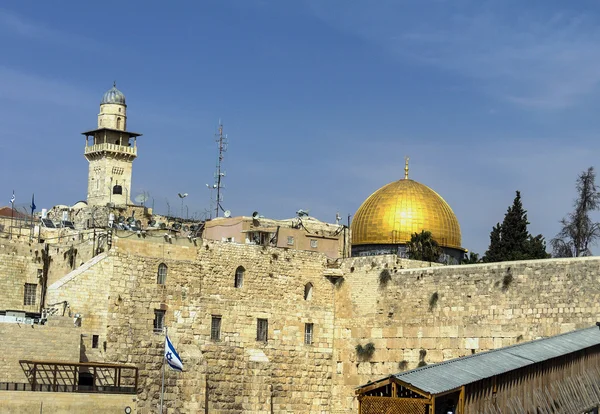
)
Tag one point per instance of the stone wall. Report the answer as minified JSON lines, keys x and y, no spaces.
{"x":53,"y":342}
{"x":243,"y":374}
{"x":22,"y":262}
{"x":422,"y":316}
{"x":19,"y":264}
{"x":27,"y":402}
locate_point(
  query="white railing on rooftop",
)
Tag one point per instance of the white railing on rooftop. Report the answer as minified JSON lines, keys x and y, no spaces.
{"x":112,"y":148}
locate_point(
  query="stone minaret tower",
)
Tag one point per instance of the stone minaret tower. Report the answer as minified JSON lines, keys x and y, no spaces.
{"x":110,"y":152}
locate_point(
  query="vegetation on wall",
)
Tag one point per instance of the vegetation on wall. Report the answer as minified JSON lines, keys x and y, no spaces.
{"x":365,"y":352}
{"x":423,"y":247}
{"x":433,"y":300}
{"x":507,"y":280}
{"x":511,"y":239}
{"x":578,"y":232}
{"x":384,"y":277}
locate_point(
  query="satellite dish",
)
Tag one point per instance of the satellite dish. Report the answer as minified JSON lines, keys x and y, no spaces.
{"x":141,"y":198}
{"x":227,"y":213}
{"x":121,"y":219}
{"x":184,"y":195}
{"x":130,"y":220}
{"x":152,"y":223}
{"x":255,"y":215}
{"x":162,"y":226}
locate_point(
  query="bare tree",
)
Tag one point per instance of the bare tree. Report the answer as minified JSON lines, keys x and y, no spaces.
{"x":579,"y":232}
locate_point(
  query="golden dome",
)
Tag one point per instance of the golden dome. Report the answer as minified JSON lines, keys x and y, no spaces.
{"x":396,"y":211}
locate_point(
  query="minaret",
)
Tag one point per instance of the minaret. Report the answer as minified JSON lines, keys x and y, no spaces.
{"x":110,"y":152}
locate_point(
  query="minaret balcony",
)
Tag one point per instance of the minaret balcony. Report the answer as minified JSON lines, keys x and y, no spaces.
{"x":106,"y":148}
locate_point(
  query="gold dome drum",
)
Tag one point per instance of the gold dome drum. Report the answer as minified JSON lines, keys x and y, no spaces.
{"x":396,"y":211}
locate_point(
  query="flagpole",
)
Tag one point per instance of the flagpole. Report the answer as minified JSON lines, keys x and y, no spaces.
{"x":162,"y":388}
{"x":12,"y":212}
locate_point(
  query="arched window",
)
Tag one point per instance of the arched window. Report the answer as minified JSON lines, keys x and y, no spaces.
{"x":161,"y":278}
{"x":239,"y":277}
{"x":308,"y":290}
{"x":118,"y":123}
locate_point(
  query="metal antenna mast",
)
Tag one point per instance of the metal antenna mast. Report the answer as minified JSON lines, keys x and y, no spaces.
{"x":222,"y":144}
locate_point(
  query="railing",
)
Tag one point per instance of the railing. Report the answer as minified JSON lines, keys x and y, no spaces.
{"x":90,"y":377}
{"x":121,"y":149}
{"x":103,"y":389}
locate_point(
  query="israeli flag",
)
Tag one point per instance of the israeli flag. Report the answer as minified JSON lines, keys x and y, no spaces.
{"x":12,"y":199}
{"x":171,"y":356}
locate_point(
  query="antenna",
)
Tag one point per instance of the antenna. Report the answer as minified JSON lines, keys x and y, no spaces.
{"x":222,"y":143}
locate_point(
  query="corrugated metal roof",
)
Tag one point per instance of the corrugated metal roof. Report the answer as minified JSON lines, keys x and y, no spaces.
{"x":452,"y":374}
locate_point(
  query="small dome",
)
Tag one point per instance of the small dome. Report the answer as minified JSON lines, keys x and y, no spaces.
{"x":396,"y":211}
{"x":113,"y":96}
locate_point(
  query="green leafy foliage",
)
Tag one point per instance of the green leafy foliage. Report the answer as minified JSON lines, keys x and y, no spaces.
{"x":423,"y":247}
{"x":511,"y":239}
{"x":471,"y":258}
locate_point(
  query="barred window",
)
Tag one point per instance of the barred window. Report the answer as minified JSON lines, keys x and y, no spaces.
{"x":30,"y":291}
{"x":308,"y":333}
{"x":161,"y":278}
{"x":262,"y":330}
{"x":215,"y":328}
{"x":159,"y":320}
{"x":239,"y":277}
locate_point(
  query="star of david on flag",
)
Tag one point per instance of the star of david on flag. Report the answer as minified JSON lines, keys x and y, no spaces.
{"x":171,"y":356}
{"x":12,"y":199}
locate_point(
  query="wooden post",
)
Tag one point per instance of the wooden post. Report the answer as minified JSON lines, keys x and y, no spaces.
{"x":34,"y":377}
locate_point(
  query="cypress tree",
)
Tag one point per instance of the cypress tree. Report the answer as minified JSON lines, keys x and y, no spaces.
{"x":511,"y":239}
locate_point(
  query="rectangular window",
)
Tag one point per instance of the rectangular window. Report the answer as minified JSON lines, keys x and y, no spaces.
{"x":159,"y":320}
{"x":215,"y":328}
{"x":308,"y":333}
{"x":94,"y":341}
{"x":262,"y":330}
{"x":290,"y":240}
{"x":29,"y":297}
{"x":313,"y":243}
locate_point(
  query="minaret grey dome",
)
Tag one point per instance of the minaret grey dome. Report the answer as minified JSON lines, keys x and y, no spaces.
{"x":113,"y":96}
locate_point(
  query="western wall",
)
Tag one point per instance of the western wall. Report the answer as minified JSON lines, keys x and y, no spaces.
{"x":411,"y":316}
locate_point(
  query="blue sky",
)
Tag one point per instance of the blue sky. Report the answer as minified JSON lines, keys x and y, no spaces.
{"x":321,"y":101}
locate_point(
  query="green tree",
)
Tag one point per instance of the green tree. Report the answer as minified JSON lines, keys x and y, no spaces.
{"x":423,"y":247}
{"x":578,"y":231}
{"x":511,"y":239}
{"x":471,"y":258}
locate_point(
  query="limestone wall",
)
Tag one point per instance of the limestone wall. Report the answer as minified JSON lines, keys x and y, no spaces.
{"x":86,"y":290}
{"x":26,"y":402}
{"x":35,"y":342}
{"x":18,"y":266}
{"x":435,"y":314}
{"x":243,"y":375}
{"x":22,"y":262}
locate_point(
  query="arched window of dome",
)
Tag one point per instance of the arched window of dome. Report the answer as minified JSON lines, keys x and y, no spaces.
{"x":308,"y":291}
{"x":239,"y":277}
{"x":119,"y":123}
{"x":161,"y":277}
